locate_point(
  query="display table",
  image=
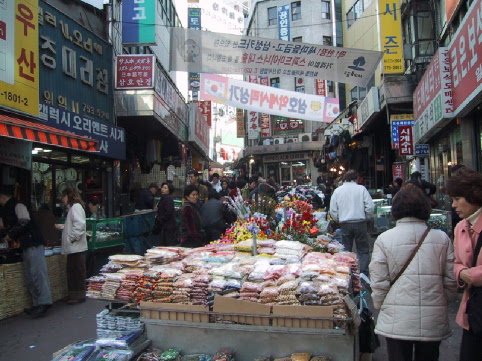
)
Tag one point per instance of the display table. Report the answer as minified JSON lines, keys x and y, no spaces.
{"x":14,"y":296}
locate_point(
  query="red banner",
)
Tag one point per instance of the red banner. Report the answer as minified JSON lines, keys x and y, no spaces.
{"x":398,"y":171}
{"x":320,"y":86}
{"x":205,"y":108}
{"x":265,"y":125}
{"x":405,"y":142}
{"x":135,"y":71}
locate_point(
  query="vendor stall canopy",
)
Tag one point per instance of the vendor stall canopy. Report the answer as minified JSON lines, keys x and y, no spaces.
{"x":35,"y":132}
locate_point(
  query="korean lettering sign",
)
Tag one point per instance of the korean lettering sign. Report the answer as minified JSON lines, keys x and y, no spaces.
{"x":168,"y":93}
{"x":263,"y":99}
{"x":240,"y":123}
{"x":320,"y":87}
{"x":219,"y":53}
{"x":422,"y":150}
{"x":19,"y":70}
{"x":194,"y":18}
{"x":139,"y":22}
{"x":205,"y":108}
{"x":466,"y":60}
{"x":391,"y":36}
{"x":287,"y":126}
{"x":198,"y":130}
{"x":265,"y":125}
{"x":405,"y":143}
{"x":396,"y":121}
{"x":398,"y":171}
{"x":284,"y":22}
{"x":134,"y":71}
{"x":76,"y":67}
{"x":112,"y":139}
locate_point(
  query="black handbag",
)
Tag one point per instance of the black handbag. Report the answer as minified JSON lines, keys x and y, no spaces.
{"x":474,"y":303}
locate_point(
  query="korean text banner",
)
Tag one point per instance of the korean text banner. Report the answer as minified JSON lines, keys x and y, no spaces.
{"x":139,"y":22}
{"x":260,"y":98}
{"x":19,"y":71}
{"x":233,"y":54}
{"x":391,"y":36}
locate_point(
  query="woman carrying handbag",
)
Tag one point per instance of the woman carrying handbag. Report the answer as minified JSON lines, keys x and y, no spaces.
{"x":412,"y":280}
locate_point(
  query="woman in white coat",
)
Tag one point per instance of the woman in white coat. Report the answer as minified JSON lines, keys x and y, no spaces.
{"x":74,"y":245}
{"x":414,"y":310}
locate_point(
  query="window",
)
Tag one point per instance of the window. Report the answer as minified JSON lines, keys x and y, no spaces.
{"x":296,"y":10}
{"x":272,"y":16}
{"x":358,"y":93}
{"x":355,"y":13}
{"x":298,"y":39}
{"x":330,"y":85}
{"x":325,"y":10}
{"x":274,"y":82}
{"x":327,"y":40}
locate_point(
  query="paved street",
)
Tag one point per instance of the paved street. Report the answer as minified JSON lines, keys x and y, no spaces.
{"x":26,"y":339}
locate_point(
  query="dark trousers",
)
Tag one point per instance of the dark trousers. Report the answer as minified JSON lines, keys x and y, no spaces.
{"x":76,"y":274}
{"x":402,"y":350}
{"x":357,"y":232}
{"x":470,"y":347}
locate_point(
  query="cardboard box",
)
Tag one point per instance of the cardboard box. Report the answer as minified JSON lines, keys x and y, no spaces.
{"x":174,"y":312}
{"x":303,"y":316}
{"x":233,"y":310}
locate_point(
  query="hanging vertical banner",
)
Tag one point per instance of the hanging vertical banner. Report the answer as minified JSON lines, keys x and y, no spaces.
{"x":397,"y":120}
{"x":265,"y":125}
{"x":139,"y":22}
{"x":398,"y":171}
{"x":253,"y":116}
{"x":405,"y":143}
{"x":284,"y":23}
{"x":205,"y":107}
{"x":240,"y":131}
{"x":320,"y":87}
{"x":194,"y":22}
{"x":391,"y":36}
{"x":19,"y":71}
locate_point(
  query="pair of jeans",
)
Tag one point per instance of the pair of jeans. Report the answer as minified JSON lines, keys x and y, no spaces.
{"x":36,"y":275}
{"x":357,"y":232}
{"x":403,"y":350}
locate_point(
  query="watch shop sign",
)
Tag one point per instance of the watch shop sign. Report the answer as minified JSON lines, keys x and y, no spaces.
{"x":465,"y":52}
{"x":284,"y":157}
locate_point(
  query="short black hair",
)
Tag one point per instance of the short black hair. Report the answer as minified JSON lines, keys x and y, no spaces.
{"x":153,"y":185}
{"x":215,"y":175}
{"x":6,"y":190}
{"x":411,"y":202}
{"x":415,"y":175}
{"x":170,"y":186}
{"x":94,"y":200}
{"x":189,"y":189}
{"x":254,"y":179}
{"x":399,"y":181}
{"x":213,"y":194}
{"x":193,"y":172}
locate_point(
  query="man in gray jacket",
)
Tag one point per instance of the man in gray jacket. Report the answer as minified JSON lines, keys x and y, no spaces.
{"x":352,"y":206}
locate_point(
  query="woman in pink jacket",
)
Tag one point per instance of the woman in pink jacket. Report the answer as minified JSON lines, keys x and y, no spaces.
{"x":465,"y":188}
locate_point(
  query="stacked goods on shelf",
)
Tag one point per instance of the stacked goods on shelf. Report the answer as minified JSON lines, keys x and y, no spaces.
{"x":107,"y":322}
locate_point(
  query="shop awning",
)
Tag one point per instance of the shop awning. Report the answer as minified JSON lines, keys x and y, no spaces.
{"x":36,"y":132}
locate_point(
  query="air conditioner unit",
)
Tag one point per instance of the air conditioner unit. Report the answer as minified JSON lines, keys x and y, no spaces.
{"x":267,"y":141}
{"x":291,"y":140}
{"x":304,"y":137}
{"x":279,"y":141}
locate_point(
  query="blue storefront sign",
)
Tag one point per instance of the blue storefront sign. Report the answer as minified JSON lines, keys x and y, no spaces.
{"x":112,"y":139}
{"x":75,"y":67}
{"x":395,"y":125}
{"x":422,"y":150}
{"x":139,"y":22}
{"x":284,"y":23}
{"x":194,"y":18}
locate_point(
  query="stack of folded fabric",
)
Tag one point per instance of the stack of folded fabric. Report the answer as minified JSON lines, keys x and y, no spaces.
{"x":94,"y":287}
{"x":111,"y":285}
{"x":199,"y":293}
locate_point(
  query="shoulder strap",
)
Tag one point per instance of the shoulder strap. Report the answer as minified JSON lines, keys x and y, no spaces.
{"x":414,"y":252}
{"x":478,"y":246}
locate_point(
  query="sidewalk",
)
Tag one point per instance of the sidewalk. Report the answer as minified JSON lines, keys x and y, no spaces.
{"x":26,"y":339}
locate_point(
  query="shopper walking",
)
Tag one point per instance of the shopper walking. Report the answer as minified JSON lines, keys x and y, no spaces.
{"x":412,"y":281}
{"x":145,"y":201}
{"x":215,"y":216}
{"x":465,"y":188}
{"x":190,"y":228}
{"x":18,"y":227}
{"x":74,"y":245}
{"x":224,"y":192}
{"x":216,"y":183}
{"x":166,"y":216}
{"x":351,"y":206}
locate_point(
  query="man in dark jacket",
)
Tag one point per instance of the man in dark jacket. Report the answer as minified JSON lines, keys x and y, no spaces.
{"x":215,"y":216}
{"x":20,"y":228}
{"x":426,"y":187}
{"x":146,"y":198}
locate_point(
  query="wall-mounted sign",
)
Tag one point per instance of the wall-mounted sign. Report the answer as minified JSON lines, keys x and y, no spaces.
{"x":16,"y":152}
{"x":422,"y":150}
{"x":19,"y":58}
{"x":240,"y":131}
{"x":198,"y":128}
{"x":368,"y":108}
{"x":135,"y":71}
{"x":397,"y":120}
{"x":76,"y":67}
{"x":398,"y":171}
{"x":205,"y":108}
{"x":405,"y":142}
{"x":287,"y":126}
{"x":390,"y":18}
{"x":284,"y":22}
{"x":139,"y":22}
{"x":284,"y":157}
{"x":112,"y":139}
